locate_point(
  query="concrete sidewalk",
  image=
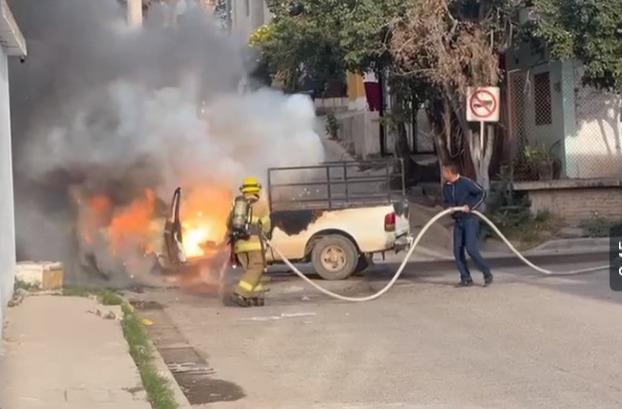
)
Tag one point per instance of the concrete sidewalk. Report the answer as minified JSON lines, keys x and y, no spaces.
{"x":58,"y":353}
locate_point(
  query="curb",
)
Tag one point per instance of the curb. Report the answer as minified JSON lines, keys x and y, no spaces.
{"x":596,"y":255}
{"x":539,"y":253}
{"x":163,"y":370}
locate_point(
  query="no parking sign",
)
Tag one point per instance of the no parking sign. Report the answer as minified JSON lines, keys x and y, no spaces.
{"x":483,"y":104}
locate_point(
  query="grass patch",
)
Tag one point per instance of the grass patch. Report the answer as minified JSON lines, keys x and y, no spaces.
{"x":110,"y":298}
{"x":104,"y":296}
{"x":23,"y":285}
{"x":158,"y":390}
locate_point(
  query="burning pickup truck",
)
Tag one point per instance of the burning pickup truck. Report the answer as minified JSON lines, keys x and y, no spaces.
{"x":337,"y":219}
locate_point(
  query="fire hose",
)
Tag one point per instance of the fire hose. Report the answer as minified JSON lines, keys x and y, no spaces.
{"x":412,"y":248}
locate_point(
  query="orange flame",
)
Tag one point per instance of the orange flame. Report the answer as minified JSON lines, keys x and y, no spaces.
{"x":94,"y":216}
{"x":130,"y":226}
{"x":132,"y":232}
{"x":204,"y":214}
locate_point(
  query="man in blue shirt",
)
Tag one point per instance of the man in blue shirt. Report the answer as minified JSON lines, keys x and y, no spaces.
{"x":460,"y":191}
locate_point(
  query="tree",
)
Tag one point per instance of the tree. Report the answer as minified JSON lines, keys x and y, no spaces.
{"x":453,"y":45}
{"x":587,"y":30}
{"x":309,"y":36}
{"x":299,"y":47}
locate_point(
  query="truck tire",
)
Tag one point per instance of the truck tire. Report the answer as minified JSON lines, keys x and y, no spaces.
{"x":362,"y":264}
{"x":334,"y":257}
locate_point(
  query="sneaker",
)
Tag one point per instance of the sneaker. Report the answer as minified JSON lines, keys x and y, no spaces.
{"x":464,"y":283}
{"x":487,"y":280}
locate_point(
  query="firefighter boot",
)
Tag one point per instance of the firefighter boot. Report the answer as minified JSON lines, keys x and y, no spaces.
{"x":258,"y":301}
{"x":240,"y":300}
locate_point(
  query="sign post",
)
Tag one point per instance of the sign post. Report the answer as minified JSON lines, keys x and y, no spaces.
{"x":482,"y":107}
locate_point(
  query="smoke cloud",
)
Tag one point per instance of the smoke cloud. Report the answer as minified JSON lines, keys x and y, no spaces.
{"x":113,"y":115}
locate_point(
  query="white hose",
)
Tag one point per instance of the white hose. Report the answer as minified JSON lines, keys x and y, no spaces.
{"x":410,"y":252}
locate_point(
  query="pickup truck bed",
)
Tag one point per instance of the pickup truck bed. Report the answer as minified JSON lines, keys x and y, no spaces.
{"x":338,"y":217}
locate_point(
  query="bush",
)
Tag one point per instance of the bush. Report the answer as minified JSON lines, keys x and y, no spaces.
{"x":543,"y":216}
{"x":332,"y":126}
{"x":597,"y":226}
{"x":506,"y":207}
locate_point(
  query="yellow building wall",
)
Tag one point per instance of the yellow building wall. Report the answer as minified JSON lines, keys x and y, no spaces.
{"x":356,"y":89}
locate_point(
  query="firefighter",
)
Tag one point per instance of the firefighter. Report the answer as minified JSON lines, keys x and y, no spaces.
{"x":248,"y":219}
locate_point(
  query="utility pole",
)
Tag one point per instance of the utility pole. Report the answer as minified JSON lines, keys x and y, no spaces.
{"x":135,"y":13}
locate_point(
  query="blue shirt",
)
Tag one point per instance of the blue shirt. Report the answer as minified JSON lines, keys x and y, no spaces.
{"x":462,"y":192}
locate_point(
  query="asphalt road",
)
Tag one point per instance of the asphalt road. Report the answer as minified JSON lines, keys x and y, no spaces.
{"x":526,"y":342}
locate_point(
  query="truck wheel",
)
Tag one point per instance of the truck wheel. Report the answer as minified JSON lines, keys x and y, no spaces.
{"x":362,"y":264}
{"x":334,"y":257}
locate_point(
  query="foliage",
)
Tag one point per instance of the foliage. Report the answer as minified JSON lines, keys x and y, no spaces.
{"x":321,"y":39}
{"x":537,"y":162}
{"x":434,"y":41}
{"x":262,"y":35}
{"x":535,"y":230}
{"x":19,"y":284}
{"x":507,"y":208}
{"x":588,"y":30}
{"x":332,"y":126}
{"x":510,"y":211}
{"x":110,"y":298}
{"x":299,"y":52}
{"x":536,"y":154}
{"x":598,"y":226}
{"x":104,"y":296}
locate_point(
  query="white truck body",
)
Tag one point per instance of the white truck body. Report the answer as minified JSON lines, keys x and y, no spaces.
{"x":363,"y":225}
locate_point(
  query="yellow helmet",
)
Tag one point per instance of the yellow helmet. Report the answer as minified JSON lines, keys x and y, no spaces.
{"x":250,"y":185}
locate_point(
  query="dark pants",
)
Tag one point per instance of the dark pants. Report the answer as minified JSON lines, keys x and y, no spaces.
{"x":466,"y":236}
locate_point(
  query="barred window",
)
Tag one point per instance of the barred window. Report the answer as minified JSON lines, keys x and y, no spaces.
{"x":542,"y":96}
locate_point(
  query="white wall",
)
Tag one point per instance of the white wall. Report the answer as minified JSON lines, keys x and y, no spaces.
{"x":7,"y":222}
{"x":596,"y":148}
{"x":244,"y":23}
{"x":359,"y":132}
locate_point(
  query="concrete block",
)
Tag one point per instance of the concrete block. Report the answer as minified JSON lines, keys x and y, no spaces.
{"x":44,"y":275}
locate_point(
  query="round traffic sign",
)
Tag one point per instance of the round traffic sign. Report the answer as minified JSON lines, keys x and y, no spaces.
{"x":483,"y":104}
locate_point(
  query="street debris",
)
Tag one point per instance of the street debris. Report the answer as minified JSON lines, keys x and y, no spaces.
{"x":107,"y":315}
{"x":280,"y":317}
{"x":18,"y":296}
{"x":196,"y":368}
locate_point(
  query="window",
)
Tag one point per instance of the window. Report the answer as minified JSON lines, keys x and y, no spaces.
{"x":542,"y":96}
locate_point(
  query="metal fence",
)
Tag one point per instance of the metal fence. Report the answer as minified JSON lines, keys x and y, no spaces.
{"x":336,"y":185}
{"x":559,"y":128}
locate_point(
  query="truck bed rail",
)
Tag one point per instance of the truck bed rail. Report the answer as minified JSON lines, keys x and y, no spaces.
{"x":336,"y":185}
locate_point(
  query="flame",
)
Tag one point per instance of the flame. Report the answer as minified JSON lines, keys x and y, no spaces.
{"x":204,"y":214}
{"x":93,"y":216}
{"x":130,"y":225}
{"x":126,"y":237}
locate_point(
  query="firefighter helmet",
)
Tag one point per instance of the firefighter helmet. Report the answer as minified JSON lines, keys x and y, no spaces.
{"x":250,"y":185}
